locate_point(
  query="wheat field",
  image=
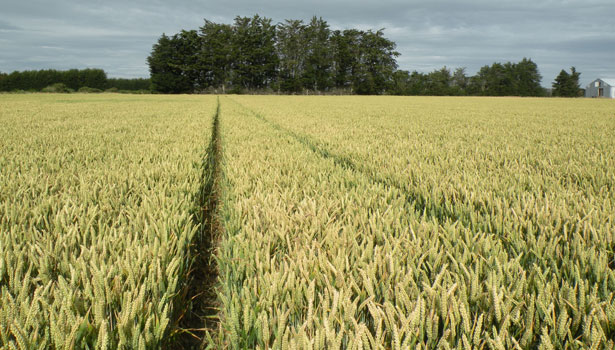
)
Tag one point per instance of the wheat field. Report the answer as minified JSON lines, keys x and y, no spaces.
{"x":343,"y":222}
{"x":97,"y":196}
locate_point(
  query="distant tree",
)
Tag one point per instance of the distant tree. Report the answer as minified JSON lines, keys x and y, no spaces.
{"x":11,"y":81}
{"x":459,"y":82}
{"x":214,"y":59}
{"x":418,"y":84}
{"x":508,"y":79}
{"x":561,"y":84}
{"x":527,"y":79}
{"x":72,"y":79}
{"x":36,"y":80}
{"x":43,"y":78}
{"x":292,"y":57}
{"x":376,"y":64}
{"x":400,"y":84}
{"x":346,"y":47}
{"x":318,"y":56}
{"x":567,"y":85}
{"x":168,"y":69}
{"x":254,"y":53}
{"x":291,"y":49}
{"x":499,"y":80}
{"x":93,"y":78}
{"x":3,"y":81}
{"x":188,"y":48}
{"x":438,"y":82}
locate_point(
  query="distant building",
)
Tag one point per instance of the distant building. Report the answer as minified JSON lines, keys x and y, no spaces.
{"x":601,"y":88}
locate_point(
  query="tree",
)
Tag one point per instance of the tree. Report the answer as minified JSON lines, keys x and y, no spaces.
{"x":291,"y":49}
{"x":93,"y":78}
{"x":170,"y":66}
{"x":214,"y":58}
{"x":499,"y":81}
{"x":3,"y":81}
{"x":346,"y":51}
{"x":459,"y":82}
{"x":317,"y":71}
{"x":252,"y":54}
{"x":567,"y":85}
{"x":187,"y":48}
{"x":255,"y":59}
{"x":376,"y":63}
{"x":401,"y":83}
{"x":527,"y":79}
{"x":35,"y":80}
{"x":438,"y":82}
{"x":508,"y":79}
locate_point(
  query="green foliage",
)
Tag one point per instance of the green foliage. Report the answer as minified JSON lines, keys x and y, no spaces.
{"x":509,"y":79}
{"x":170,"y":64}
{"x":291,"y":49}
{"x":346,"y":50}
{"x":73,"y":79}
{"x":57,"y":88}
{"x":376,"y":63}
{"x":253,"y":50}
{"x":567,"y":85}
{"x":214,"y":58}
{"x":364,"y":61}
{"x":253,"y":55}
{"x":318,"y":58}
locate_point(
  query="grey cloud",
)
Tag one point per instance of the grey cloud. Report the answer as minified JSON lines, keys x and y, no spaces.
{"x":5,"y":26}
{"x":118,"y":35}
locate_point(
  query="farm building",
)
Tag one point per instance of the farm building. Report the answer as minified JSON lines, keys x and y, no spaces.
{"x":601,"y":88}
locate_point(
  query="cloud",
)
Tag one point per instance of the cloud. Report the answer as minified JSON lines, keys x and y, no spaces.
{"x":5,"y":27}
{"x":118,"y":35}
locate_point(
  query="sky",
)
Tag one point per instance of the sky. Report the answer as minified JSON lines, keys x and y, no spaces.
{"x":117,"y":36}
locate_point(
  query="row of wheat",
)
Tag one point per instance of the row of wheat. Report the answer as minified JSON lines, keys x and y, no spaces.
{"x":396,"y":223}
{"x":97,"y":195}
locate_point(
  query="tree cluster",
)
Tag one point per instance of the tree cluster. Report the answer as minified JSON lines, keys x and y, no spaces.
{"x":74,"y":79}
{"x":499,"y":79}
{"x":567,"y":84}
{"x":291,"y":57}
{"x":252,"y":54}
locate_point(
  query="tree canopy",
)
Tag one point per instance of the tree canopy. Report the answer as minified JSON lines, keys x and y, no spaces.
{"x":73,"y":79}
{"x":567,"y":84}
{"x":290,"y":57}
{"x":253,"y":54}
{"x":499,"y":79}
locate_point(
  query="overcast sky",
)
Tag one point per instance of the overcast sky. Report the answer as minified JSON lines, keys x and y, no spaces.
{"x":118,"y":35}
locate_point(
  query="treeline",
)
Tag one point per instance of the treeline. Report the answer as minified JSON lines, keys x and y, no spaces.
{"x":254,"y":55}
{"x":508,"y":79}
{"x":291,"y":57}
{"x":70,"y":80}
